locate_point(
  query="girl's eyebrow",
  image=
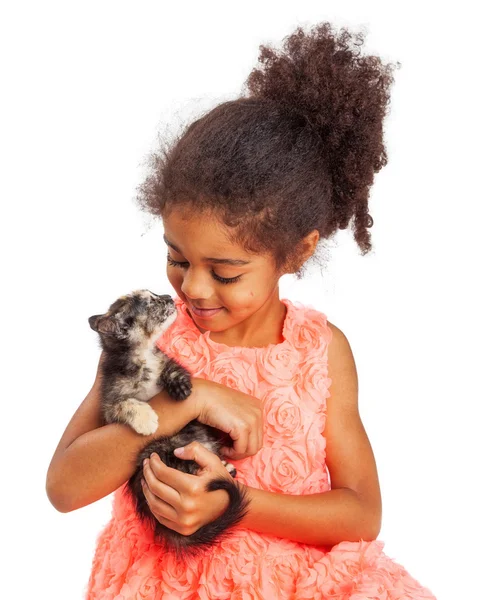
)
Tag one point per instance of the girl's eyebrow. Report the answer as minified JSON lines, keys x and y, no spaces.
{"x":218,"y":261}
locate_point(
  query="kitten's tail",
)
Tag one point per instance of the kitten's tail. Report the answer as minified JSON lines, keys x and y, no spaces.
{"x":209,"y":535}
{"x":212,"y":533}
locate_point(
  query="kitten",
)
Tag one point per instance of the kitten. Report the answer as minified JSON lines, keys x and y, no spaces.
{"x":134,"y":370}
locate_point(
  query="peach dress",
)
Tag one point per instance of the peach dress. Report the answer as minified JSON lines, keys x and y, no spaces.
{"x":291,"y":379}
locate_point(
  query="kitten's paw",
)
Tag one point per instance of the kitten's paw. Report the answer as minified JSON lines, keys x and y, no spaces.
{"x":178,"y":384}
{"x":230,"y":468}
{"x":143,"y":418}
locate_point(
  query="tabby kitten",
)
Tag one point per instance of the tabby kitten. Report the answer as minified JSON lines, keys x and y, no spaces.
{"x":134,"y":370}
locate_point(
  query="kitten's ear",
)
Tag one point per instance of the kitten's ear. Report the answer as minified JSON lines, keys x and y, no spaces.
{"x":104,"y":324}
{"x":93,"y":321}
{"x":109,"y":326}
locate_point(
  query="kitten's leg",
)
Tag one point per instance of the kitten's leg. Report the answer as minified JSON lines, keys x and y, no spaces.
{"x":135,"y":413}
{"x":176,"y":380}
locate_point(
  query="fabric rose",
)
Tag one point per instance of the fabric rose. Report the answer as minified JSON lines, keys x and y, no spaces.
{"x":251,"y":574}
{"x":315,"y":443}
{"x":282,"y":468}
{"x":306,"y":582}
{"x":139,"y":587}
{"x":313,"y":389}
{"x":354,"y":570}
{"x":232,"y":548}
{"x":284,"y":574}
{"x":311,"y":332}
{"x":282,"y":415}
{"x":317,"y":480}
{"x":227,"y":370}
{"x":231,"y":570}
{"x":185,"y":346}
{"x":113,"y":571}
{"x":138,"y":534}
{"x":245,"y":593}
{"x":214,"y":581}
{"x":177,"y":581}
{"x":277,"y":365}
{"x":142,"y":582}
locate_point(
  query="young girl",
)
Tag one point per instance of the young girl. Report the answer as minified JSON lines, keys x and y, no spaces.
{"x":245,"y":196}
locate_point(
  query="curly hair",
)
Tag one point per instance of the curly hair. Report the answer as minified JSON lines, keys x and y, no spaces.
{"x":296,"y":152}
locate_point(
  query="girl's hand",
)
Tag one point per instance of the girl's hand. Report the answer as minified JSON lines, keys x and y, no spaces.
{"x":179,"y":500}
{"x":237,"y":414}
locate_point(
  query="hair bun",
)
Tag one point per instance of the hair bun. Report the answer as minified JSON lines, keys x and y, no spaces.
{"x":342,"y":96}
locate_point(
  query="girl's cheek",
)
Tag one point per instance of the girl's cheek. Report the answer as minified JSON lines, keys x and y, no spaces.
{"x":174,"y":277}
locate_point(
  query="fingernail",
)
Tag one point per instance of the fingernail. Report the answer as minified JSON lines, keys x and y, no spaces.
{"x":145,"y":462}
{"x":179,"y":451}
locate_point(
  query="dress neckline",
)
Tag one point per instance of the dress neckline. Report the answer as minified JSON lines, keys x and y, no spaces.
{"x":220,"y":347}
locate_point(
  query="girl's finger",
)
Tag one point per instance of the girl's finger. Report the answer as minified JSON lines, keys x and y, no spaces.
{"x":152,"y":472}
{"x":258,"y":442}
{"x":254,"y":443}
{"x":228,"y":453}
{"x":162,"y":510}
{"x":178,"y":481}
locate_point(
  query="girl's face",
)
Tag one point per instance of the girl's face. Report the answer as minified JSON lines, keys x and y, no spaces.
{"x":201,"y":270}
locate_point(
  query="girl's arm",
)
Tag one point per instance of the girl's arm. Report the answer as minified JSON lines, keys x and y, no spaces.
{"x":352,"y":509}
{"x":92,"y":460}
{"x":324,"y":519}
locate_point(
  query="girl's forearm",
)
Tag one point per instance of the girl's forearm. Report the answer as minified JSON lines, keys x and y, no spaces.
{"x":318,"y":519}
{"x":99,"y":461}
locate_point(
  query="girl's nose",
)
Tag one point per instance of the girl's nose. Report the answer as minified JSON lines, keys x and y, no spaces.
{"x":196,"y":285}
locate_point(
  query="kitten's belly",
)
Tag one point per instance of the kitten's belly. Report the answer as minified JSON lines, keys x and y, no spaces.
{"x":151,"y":370}
{"x":146,"y":391}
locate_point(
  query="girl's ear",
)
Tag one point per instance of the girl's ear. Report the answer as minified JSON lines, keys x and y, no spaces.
{"x":306,"y":248}
{"x":310,"y":242}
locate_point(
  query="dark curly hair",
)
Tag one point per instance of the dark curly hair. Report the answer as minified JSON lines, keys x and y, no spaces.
{"x":297,"y":153}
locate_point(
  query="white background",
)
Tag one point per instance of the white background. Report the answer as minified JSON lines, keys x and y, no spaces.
{"x":86,"y":86}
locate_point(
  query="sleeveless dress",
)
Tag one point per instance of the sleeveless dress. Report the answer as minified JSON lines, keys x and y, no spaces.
{"x":291,"y":379}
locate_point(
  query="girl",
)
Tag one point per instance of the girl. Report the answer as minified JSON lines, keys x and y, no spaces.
{"x":245,"y":195}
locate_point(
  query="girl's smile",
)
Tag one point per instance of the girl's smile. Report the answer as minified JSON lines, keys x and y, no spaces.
{"x":205,"y":313}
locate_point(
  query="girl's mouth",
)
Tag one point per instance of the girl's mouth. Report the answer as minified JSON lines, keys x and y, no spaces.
{"x":205,"y":313}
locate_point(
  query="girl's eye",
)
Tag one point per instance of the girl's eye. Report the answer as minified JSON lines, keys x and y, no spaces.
{"x":183,"y":265}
